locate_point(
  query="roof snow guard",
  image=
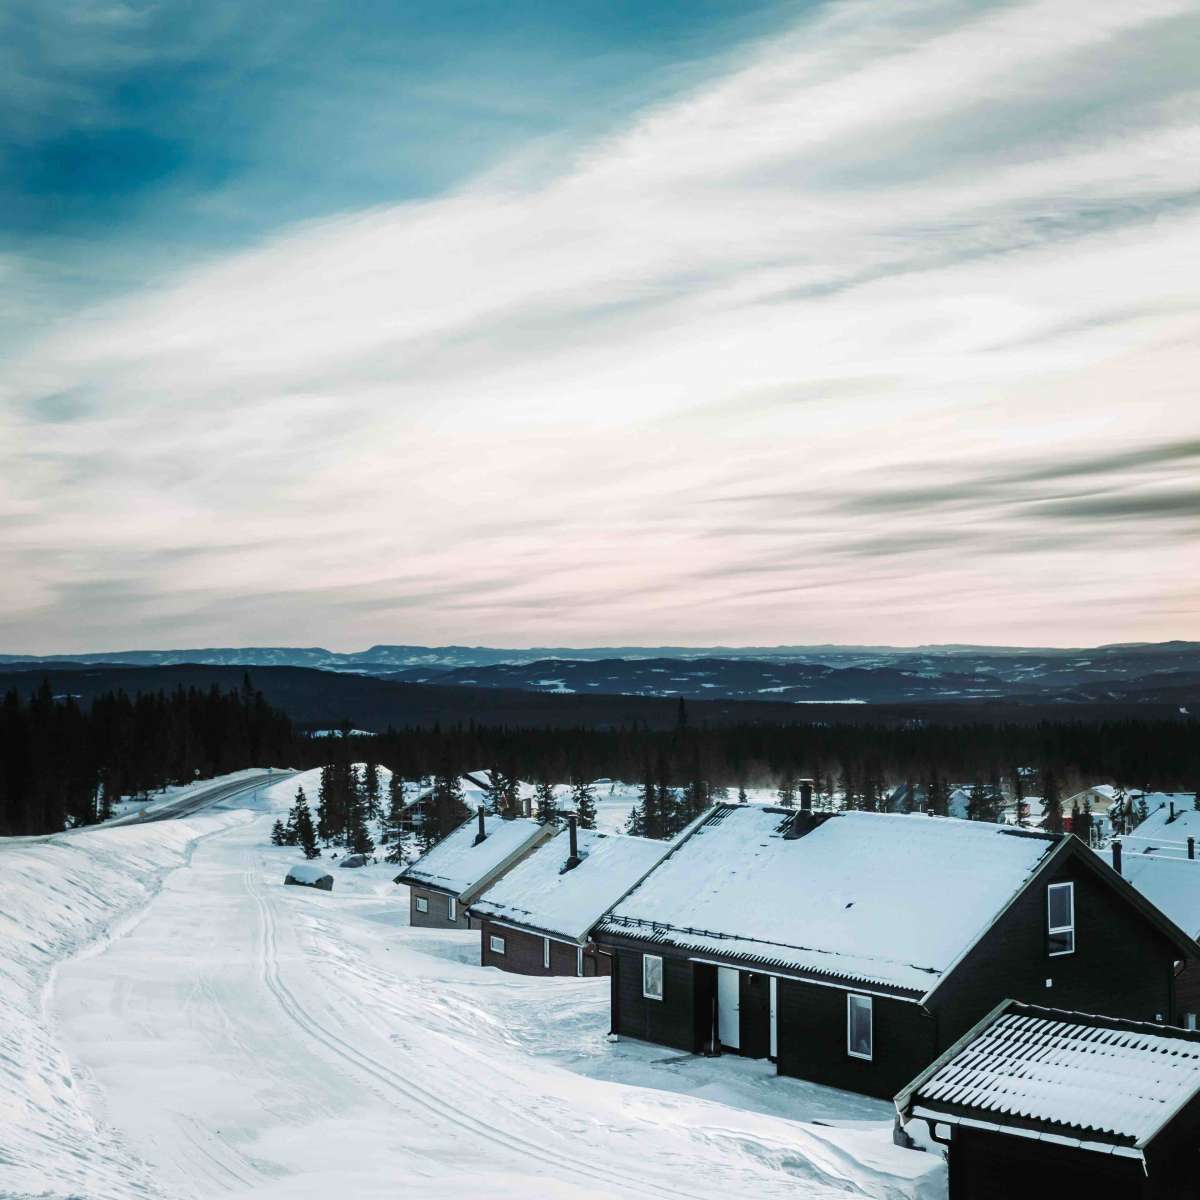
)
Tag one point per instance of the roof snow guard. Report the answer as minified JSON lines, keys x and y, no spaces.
{"x":1086,"y":1081}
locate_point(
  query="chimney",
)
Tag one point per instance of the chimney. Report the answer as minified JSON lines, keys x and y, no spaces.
{"x":1172,"y":816}
{"x":1116,"y":849}
{"x":1191,"y":847}
{"x":806,"y":791}
{"x":482,"y":832}
{"x":573,"y":859}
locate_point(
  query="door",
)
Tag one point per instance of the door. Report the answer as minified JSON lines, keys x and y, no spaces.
{"x":729,"y":1007}
{"x":756,"y":1014}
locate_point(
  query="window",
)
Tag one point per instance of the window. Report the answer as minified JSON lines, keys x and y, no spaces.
{"x":579,"y":961}
{"x":546,"y":953}
{"x":1060,"y":915}
{"x":496,"y":944}
{"x":422,"y":904}
{"x":452,"y":908}
{"x":652,"y":977}
{"x":860,"y":1027}
{"x":1189,"y":1021}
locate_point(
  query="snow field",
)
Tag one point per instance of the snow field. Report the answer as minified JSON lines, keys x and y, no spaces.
{"x":242,"y":1038}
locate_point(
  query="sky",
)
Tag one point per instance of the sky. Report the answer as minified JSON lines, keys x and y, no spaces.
{"x":598,"y":323}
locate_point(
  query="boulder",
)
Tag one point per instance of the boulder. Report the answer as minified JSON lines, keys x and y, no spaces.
{"x":354,"y":860}
{"x":307,"y":875}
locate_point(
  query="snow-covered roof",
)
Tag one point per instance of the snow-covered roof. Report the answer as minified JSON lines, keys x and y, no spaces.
{"x":1105,"y":1081}
{"x":538,"y":893}
{"x":1168,"y":879}
{"x":875,"y":897}
{"x":459,"y":866}
{"x":307,"y":873}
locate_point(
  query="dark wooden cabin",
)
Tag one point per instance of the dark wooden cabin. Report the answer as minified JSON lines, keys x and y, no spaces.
{"x":1041,"y":1102}
{"x":538,"y":919}
{"x":443,"y":883}
{"x":853,"y":948}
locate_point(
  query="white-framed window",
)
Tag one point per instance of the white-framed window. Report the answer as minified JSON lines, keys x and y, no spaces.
{"x":860,"y":1027}
{"x":652,"y":976}
{"x":496,"y":944}
{"x":452,"y":908}
{"x":546,"y":953}
{"x":422,"y":904}
{"x":1060,"y":918}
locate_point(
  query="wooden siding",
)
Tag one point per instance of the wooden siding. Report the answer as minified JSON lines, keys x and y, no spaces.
{"x":1123,"y":966}
{"x":812,"y":1040}
{"x":670,"y":1021}
{"x":996,"y":1166}
{"x":524,"y":953}
{"x":437,"y":917}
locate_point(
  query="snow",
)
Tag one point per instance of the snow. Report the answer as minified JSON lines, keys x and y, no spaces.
{"x":223,"y":1035}
{"x":539,"y":894}
{"x":459,"y":866}
{"x":852,"y":899}
{"x":1122,"y":1079}
{"x":1154,"y":859}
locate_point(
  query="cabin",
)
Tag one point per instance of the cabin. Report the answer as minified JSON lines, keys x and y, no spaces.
{"x":446,"y":881}
{"x":538,"y":919}
{"x":1043,"y":1102}
{"x":852,"y":948}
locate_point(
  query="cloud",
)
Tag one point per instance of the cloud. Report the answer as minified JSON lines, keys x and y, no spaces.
{"x":794,"y":323}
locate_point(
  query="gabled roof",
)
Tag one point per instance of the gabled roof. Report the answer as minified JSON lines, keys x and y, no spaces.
{"x":1168,"y":879}
{"x":877,"y":898}
{"x":540,"y":896}
{"x":458,"y":866}
{"x":1089,"y":1081}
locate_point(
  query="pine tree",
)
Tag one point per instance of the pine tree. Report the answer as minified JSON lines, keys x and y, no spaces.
{"x":306,"y":835}
{"x":545,"y":803}
{"x":358,"y":836}
{"x":326,"y":805}
{"x":1052,"y":822}
{"x":584,"y":800}
{"x":370,"y":786}
{"x":278,"y":836}
{"x":977,"y":803}
{"x":937,"y":795}
{"x":787,"y":790}
{"x":397,"y":852}
{"x":395,"y":811}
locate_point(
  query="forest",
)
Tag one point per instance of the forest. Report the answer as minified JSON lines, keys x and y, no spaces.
{"x":63,"y":763}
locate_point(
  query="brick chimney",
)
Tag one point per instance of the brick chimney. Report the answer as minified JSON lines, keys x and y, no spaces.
{"x":1191,"y":847}
{"x":1116,"y":853}
{"x":806,"y":793}
{"x":482,"y":832}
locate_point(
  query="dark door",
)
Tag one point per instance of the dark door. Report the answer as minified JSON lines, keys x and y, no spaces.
{"x":756,"y":1015}
{"x":704,"y":993}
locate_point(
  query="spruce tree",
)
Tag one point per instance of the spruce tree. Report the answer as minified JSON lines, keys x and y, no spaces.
{"x":787,"y":790}
{"x":370,"y":784}
{"x":584,"y":799}
{"x":278,"y":836}
{"x":306,"y":835}
{"x":545,"y":803}
{"x":1052,"y":821}
{"x":977,"y":803}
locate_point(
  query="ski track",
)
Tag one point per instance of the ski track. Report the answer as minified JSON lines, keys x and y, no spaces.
{"x":241,"y":1038}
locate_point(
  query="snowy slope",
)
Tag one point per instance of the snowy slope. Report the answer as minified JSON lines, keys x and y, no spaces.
{"x":242,"y":1038}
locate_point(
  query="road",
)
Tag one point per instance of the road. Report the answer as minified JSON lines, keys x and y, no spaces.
{"x":201,"y":798}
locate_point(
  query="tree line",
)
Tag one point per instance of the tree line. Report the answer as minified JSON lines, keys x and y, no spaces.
{"x":64,"y":765}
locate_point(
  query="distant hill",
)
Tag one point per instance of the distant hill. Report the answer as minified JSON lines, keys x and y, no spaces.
{"x":1133,"y":674}
{"x":323,"y":699}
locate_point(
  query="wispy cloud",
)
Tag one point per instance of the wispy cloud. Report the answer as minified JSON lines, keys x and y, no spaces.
{"x":875,"y":316}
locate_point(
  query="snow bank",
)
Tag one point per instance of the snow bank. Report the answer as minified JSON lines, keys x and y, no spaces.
{"x":61,"y":896}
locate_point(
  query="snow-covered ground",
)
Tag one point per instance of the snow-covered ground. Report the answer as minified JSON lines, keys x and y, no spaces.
{"x":227,"y":1035}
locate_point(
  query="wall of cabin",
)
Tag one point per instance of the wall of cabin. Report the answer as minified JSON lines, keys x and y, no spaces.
{"x":438,"y":915}
{"x":669,"y":1021}
{"x":1122,"y":965}
{"x":812,"y":1041}
{"x":997,"y":1166}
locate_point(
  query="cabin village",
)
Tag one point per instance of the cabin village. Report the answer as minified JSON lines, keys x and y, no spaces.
{"x":1027,"y":997}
